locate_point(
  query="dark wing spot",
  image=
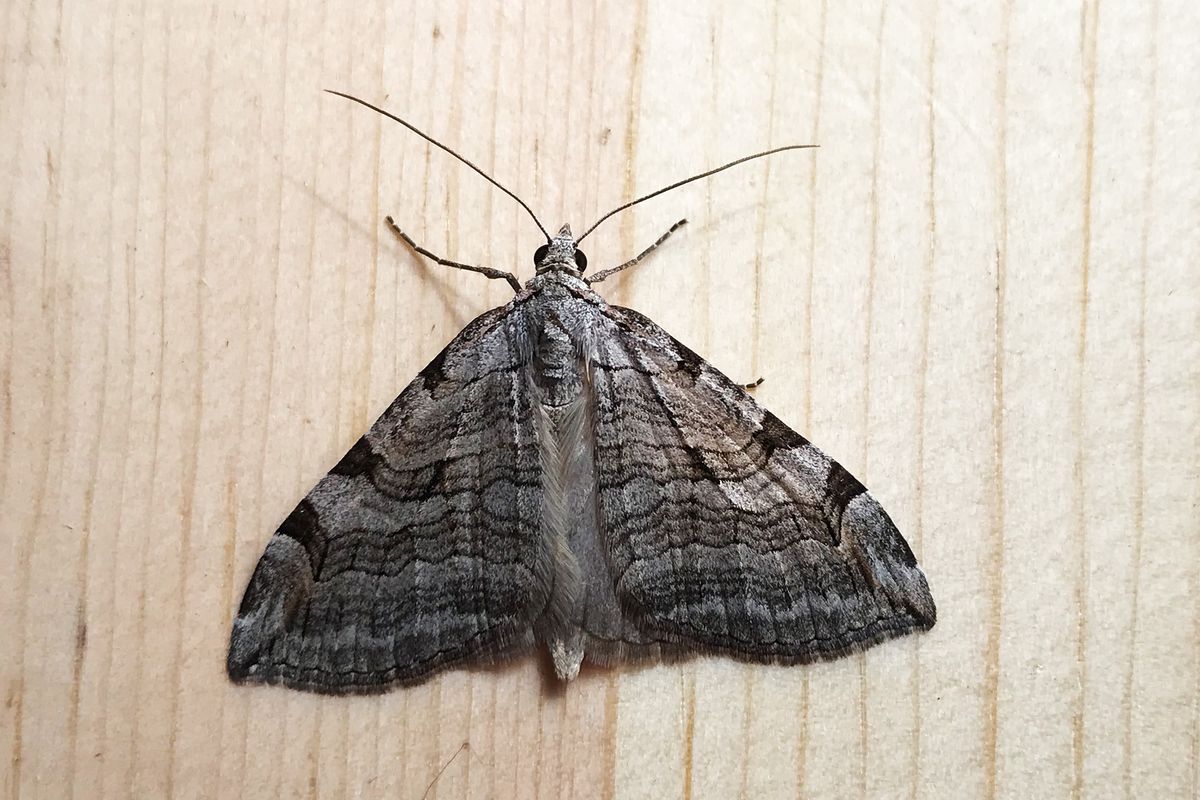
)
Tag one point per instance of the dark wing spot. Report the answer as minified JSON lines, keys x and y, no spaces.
{"x":360,"y":459}
{"x":433,"y":374}
{"x":840,"y":488}
{"x":696,"y":456}
{"x":304,"y":526}
{"x":773,"y":435}
{"x":690,"y":364}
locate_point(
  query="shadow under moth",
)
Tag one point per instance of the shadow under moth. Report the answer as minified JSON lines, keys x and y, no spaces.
{"x":566,"y":473}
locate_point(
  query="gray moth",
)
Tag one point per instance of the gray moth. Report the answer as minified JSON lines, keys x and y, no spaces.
{"x":565,"y":473}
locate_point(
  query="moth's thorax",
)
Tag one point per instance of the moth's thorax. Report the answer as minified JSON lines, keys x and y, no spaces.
{"x":557,"y":369}
{"x":558,"y":315}
{"x":557,"y":283}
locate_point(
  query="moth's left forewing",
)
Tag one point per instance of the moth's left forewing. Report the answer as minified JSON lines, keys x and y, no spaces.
{"x":728,"y":531}
{"x":421,"y":548}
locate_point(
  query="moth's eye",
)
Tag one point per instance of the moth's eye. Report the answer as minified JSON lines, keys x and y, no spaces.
{"x":580,"y":260}
{"x":540,"y":253}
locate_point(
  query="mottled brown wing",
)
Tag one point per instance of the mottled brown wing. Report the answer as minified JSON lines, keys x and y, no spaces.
{"x":729,"y":532}
{"x":420,"y":549}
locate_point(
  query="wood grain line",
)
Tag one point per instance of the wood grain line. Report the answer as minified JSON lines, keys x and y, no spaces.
{"x":612,"y":696}
{"x":807,"y":347}
{"x":7,"y":432}
{"x":928,"y":270}
{"x":996,"y":556}
{"x":564,"y":147}
{"x":82,"y":574}
{"x":873,"y":242}
{"x":130,"y":374}
{"x":14,"y":79}
{"x":747,"y":735}
{"x":1139,"y":431}
{"x":147,"y":569}
{"x":864,"y":724}
{"x":348,"y":411}
{"x":1194,"y":753}
{"x":493,"y":725}
{"x":622,"y":294}
{"x":312,"y":762}
{"x":689,"y":728}
{"x":802,"y":736}
{"x":361,"y":418}
{"x":864,"y":719}
{"x":135,"y":102}
{"x":489,"y":199}
{"x":1090,"y":25}
{"x":432,"y":763}
{"x":228,"y":572}
{"x":120,"y":491}
{"x":5,"y":82}
{"x":56,"y":303}
{"x":24,"y":544}
{"x":806,"y":352}
{"x":539,"y":762}
{"x":270,"y":342}
{"x":761,"y":227}
{"x":8,"y":80}
{"x":587,"y":204}
{"x":191,"y":460}
{"x":703,"y":303}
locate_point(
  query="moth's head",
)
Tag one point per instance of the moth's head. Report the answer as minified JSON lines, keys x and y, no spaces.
{"x":560,"y":254}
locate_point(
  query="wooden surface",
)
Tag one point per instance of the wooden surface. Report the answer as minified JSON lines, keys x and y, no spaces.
{"x":981,"y":295}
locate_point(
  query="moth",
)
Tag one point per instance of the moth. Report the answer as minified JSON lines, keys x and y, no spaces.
{"x":566,"y":473}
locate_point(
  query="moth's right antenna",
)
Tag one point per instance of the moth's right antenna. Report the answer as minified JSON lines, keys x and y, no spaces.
{"x":436,"y":143}
{"x":677,"y":184}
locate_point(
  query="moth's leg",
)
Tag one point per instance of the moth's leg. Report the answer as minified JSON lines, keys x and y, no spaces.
{"x":445,"y":262}
{"x":755,"y":385}
{"x":599,"y":276}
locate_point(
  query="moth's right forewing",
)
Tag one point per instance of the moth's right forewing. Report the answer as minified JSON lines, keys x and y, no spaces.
{"x":729,"y":532}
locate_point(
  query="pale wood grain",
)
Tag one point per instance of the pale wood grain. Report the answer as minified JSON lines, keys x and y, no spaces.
{"x":981,"y":295}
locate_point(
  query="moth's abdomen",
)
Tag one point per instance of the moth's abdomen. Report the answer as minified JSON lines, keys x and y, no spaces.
{"x":564,"y":430}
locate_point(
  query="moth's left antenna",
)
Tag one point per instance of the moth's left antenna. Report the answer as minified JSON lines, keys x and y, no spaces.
{"x":436,"y":143}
